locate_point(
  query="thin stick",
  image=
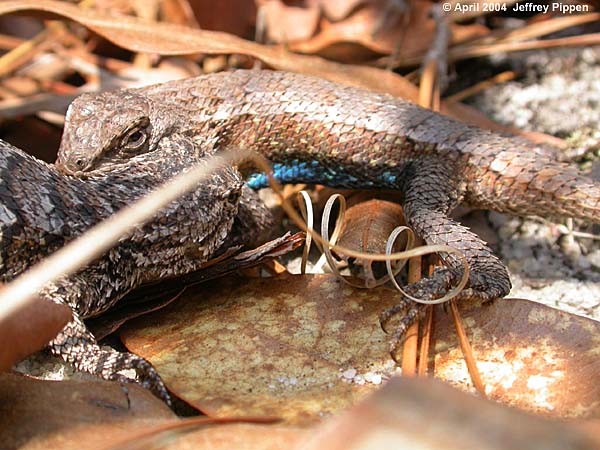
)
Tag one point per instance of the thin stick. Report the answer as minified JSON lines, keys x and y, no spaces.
{"x":472,"y":51}
{"x":428,"y":86}
{"x":432,"y":262}
{"x":482,"y":86}
{"x":425,"y":342}
{"x":409,"y":350}
{"x":467,"y":351}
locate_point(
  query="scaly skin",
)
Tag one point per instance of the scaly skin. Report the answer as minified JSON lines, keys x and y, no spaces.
{"x":320,"y":132}
{"x":42,"y":209}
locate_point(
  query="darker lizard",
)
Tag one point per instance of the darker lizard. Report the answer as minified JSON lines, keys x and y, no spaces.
{"x":314,"y":131}
{"x":41,"y":209}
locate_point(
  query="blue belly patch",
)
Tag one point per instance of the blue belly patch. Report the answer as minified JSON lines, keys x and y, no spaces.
{"x":314,"y":173}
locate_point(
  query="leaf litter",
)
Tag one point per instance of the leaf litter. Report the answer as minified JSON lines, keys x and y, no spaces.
{"x":545,"y":361}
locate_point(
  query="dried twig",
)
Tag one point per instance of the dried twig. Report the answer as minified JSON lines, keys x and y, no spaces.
{"x":467,"y":350}
{"x":409,"y":351}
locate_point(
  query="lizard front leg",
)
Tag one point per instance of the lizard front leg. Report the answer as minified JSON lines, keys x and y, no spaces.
{"x":76,"y":345}
{"x":428,"y":197}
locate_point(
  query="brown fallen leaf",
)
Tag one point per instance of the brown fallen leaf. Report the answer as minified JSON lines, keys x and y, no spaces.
{"x":288,"y":23}
{"x":35,"y":136}
{"x":232,"y":16}
{"x":336,"y":10}
{"x":29,"y":330}
{"x":359,"y":37}
{"x":297,"y":347}
{"x":305,"y":347}
{"x":168,"y":39}
{"x":243,"y":437}
{"x":179,"y":12}
{"x":530,"y":356}
{"x":367,"y":227}
{"x":427,"y":414}
{"x":193,"y":434}
{"x":32,"y":410}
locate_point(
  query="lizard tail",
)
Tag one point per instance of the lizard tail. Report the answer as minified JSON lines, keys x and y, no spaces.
{"x":535,"y":184}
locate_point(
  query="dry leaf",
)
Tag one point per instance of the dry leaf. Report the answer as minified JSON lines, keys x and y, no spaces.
{"x":29,"y":330}
{"x":35,"y":410}
{"x":154,"y":297}
{"x":35,"y":136}
{"x":409,"y":35}
{"x":299,"y":347}
{"x":242,"y":437}
{"x":430,"y":415}
{"x":336,"y":10}
{"x":367,"y":227}
{"x":530,"y":356}
{"x":289,"y":23}
{"x":168,"y":39}
{"x":192,"y":434}
{"x":232,"y":16}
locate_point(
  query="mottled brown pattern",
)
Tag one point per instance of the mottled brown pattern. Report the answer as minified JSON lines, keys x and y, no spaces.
{"x":355,"y":138}
{"x":118,"y":145}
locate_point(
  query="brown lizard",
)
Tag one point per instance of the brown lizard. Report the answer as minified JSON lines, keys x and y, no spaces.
{"x":117,"y":144}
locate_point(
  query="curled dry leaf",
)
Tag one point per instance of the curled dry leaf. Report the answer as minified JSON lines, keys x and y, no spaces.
{"x":336,"y":10}
{"x":232,"y":16}
{"x":289,"y":23}
{"x":361,"y":35}
{"x":179,"y":12}
{"x":367,"y":226}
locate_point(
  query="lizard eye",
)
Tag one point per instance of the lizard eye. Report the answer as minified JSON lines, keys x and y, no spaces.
{"x":135,"y":139}
{"x":79,"y":163}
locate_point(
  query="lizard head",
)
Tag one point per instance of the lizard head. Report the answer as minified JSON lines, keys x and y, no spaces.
{"x":127,"y":143}
{"x":109,"y":129}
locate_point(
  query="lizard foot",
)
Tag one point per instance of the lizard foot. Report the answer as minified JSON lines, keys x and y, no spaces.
{"x":481,"y":288}
{"x":145,"y":374}
{"x":76,"y":345}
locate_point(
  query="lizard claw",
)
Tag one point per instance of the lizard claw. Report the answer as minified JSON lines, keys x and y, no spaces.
{"x":385,"y":316}
{"x":482,"y":288}
{"x":427,"y":289}
{"x":146,"y":374}
{"x":412,"y":313}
